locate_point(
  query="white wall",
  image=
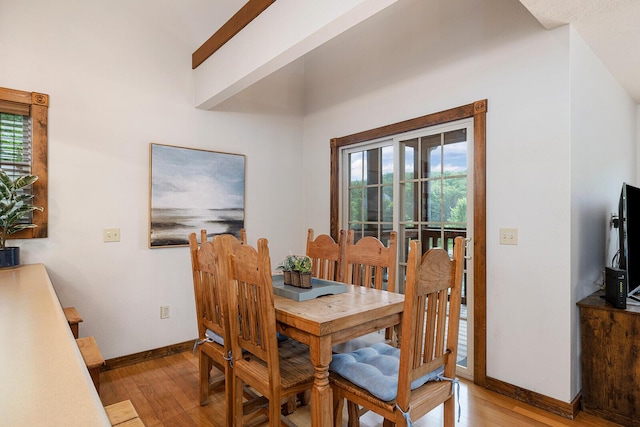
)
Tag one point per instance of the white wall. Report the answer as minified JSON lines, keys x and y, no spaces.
{"x":418,"y":57}
{"x":116,"y":85}
{"x":603,"y":156}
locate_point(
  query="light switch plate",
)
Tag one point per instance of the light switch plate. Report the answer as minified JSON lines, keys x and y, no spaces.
{"x":111,"y":234}
{"x":164,"y":312}
{"x":508,"y":236}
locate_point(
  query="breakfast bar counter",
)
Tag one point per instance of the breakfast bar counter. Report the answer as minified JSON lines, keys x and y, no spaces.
{"x":44,"y":381}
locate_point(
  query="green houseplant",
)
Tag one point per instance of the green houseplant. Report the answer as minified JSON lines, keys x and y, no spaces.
{"x":15,"y":207}
{"x":286,"y":266}
{"x":297,"y":270}
{"x":302,"y":271}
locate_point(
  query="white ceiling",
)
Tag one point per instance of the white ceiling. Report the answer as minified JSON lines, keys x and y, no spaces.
{"x":610,"y":27}
{"x":191,"y":21}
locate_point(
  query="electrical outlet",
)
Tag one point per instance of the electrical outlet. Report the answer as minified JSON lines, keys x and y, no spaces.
{"x":164,"y":312}
{"x":111,"y":234}
{"x":508,"y":236}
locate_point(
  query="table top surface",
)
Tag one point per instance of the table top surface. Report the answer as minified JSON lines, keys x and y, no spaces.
{"x":597,"y":300}
{"x":332,"y":313}
{"x":44,"y":379}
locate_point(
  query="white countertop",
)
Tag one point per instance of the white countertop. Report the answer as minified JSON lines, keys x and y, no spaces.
{"x":43,"y":379}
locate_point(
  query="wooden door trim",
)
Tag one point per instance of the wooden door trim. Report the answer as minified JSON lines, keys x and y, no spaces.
{"x":478,"y":111}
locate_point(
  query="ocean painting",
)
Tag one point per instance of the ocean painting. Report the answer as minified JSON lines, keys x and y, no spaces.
{"x":193,"y":190}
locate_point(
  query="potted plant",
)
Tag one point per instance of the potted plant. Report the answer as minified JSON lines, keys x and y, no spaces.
{"x":15,"y":207}
{"x":287,"y":267}
{"x":302,"y":271}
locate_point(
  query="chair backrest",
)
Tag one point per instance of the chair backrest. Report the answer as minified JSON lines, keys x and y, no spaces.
{"x":210,"y":302}
{"x":326,"y":256}
{"x":366,"y":261}
{"x":251,"y":307}
{"x":242,"y":237}
{"x":211,"y":306}
{"x":431,"y":315}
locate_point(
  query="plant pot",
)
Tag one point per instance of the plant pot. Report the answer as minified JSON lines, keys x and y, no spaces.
{"x":295,"y":276}
{"x":9,"y":257}
{"x":287,"y":277}
{"x":305,"y":280}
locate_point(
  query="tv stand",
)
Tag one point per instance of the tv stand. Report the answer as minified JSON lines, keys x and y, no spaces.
{"x":610,"y":339}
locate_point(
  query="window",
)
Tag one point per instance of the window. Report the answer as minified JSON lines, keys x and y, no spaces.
{"x":433,"y":186}
{"x":23,"y":147}
{"x":370,"y":192}
{"x":430,"y":186}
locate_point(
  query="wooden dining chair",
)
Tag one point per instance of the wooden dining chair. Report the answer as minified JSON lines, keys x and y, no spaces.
{"x":369,"y":263}
{"x":212,"y":314}
{"x":425,"y":364}
{"x":275,"y":370}
{"x":326,"y":255}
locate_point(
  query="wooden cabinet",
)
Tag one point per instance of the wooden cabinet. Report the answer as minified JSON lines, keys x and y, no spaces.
{"x":610,"y":360}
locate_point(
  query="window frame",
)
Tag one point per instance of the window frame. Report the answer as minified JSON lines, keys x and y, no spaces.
{"x":38,"y":104}
{"x":478,"y":111}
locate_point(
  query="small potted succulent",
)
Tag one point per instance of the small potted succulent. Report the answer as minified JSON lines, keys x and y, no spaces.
{"x":286,"y":266}
{"x":302,"y":271}
{"x":15,"y":208}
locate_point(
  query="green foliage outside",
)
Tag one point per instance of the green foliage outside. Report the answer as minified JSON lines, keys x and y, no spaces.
{"x":455,"y":201}
{"x":11,"y":137}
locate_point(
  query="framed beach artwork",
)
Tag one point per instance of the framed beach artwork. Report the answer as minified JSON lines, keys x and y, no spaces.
{"x":191,"y":190}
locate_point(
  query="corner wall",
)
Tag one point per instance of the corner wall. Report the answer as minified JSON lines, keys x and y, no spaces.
{"x":116,"y":84}
{"x":417,"y":58}
{"x":603,"y":156}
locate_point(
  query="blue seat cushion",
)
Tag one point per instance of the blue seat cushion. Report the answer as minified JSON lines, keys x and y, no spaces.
{"x":214,"y":337}
{"x":375,"y":369}
{"x":220,"y":340}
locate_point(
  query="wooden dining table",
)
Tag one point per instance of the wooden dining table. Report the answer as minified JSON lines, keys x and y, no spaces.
{"x":326,"y":321}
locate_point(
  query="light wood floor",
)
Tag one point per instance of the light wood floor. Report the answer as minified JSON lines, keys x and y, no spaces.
{"x":165,"y":393}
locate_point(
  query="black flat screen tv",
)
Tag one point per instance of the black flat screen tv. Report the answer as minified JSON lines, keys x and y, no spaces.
{"x":629,"y":229}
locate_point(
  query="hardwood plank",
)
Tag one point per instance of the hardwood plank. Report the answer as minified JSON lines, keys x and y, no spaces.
{"x":131,"y":359}
{"x":182,"y":380}
{"x":158,"y":390}
{"x":131,"y":385}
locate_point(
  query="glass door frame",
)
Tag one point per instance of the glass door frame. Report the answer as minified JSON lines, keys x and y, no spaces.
{"x":477,"y":110}
{"x":465,"y":371}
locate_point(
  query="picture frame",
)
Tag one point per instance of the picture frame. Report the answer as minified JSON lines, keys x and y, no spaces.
{"x":193,"y":189}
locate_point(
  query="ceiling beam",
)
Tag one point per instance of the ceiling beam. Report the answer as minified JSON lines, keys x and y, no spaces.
{"x":237,"y":22}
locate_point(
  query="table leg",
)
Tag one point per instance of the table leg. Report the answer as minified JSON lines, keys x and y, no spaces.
{"x":321,"y":393}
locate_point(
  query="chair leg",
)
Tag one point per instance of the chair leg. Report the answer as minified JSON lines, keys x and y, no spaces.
{"x":449,"y":411}
{"x":338,"y":405}
{"x":354,"y":414}
{"x":305,"y":397}
{"x":290,"y":406}
{"x":237,"y":401}
{"x":229,"y":395}
{"x":275,"y":414}
{"x":388,"y":336}
{"x":205,"y":373}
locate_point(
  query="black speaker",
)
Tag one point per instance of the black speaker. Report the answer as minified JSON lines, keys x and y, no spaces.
{"x":616,"y":287}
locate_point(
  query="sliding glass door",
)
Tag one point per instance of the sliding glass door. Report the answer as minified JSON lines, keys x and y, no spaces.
{"x":418,"y":184}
